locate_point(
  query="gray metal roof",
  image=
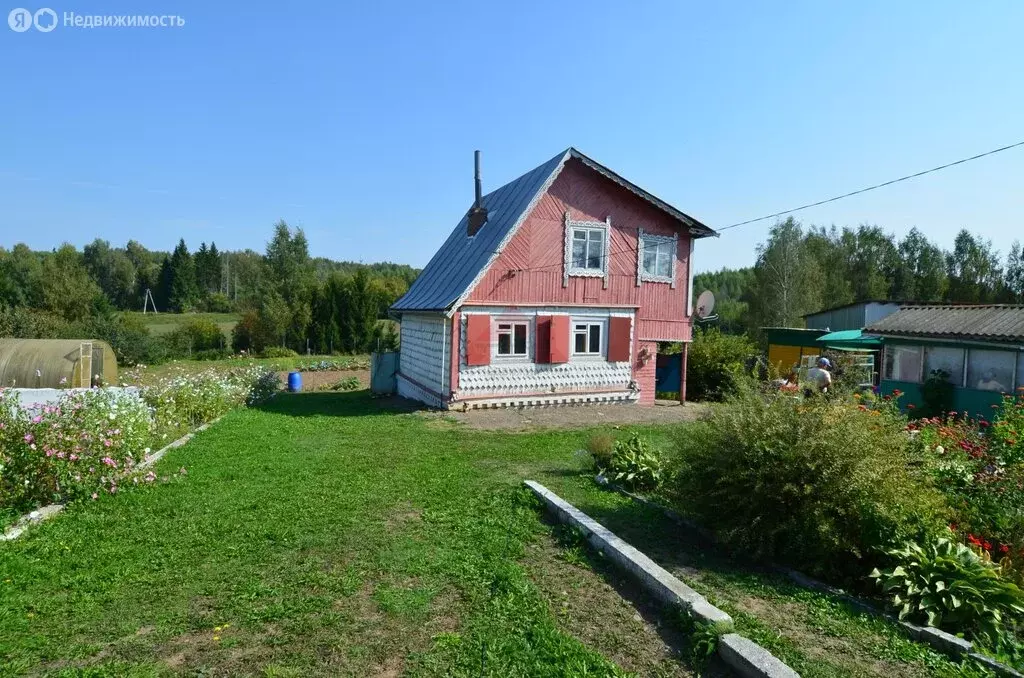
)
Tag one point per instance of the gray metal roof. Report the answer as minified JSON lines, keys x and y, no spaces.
{"x":995,"y":322}
{"x":454,"y":268}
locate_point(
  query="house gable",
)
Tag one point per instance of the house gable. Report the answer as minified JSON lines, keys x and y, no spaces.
{"x":530,"y":269}
{"x":459,"y":266}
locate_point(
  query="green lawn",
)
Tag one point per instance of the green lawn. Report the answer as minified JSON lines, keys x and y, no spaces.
{"x":323,"y":534}
{"x":164,"y":323}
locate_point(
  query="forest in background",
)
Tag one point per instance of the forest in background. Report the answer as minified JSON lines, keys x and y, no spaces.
{"x":286,"y":298}
{"x":802,"y":270}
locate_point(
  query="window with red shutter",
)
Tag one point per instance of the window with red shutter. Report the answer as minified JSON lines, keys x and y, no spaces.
{"x":478,"y":339}
{"x":619,"y":330}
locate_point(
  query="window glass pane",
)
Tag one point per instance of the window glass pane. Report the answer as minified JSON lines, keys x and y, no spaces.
{"x":520,"y":340}
{"x":903,"y":363}
{"x":504,"y":344}
{"x":945,"y":358}
{"x":579,"y":253}
{"x":650,"y":260}
{"x":595,"y":338}
{"x":595,"y":252}
{"x":579,"y":234}
{"x":581,"y":342}
{"x":504,"y":327}
{"x":664,"y":262}
{"x":990,"y":370}
{"x":596,"y":236}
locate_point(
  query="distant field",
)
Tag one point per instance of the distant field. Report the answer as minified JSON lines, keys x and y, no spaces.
{"x":337,"y":363}
{"x":164,"y":323}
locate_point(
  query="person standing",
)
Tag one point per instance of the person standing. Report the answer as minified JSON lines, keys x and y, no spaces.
{"x":819,"y":378}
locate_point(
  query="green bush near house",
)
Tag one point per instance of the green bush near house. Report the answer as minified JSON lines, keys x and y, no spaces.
{"x":818,"y":484}
{"x":715,"y":364}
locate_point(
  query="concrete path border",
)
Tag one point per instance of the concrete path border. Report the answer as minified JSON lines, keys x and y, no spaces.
{"x":745,"y":656}
{"x":947,"y":643}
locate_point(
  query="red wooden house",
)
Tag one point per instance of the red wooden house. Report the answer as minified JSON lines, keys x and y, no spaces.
{"x":555,"y":288}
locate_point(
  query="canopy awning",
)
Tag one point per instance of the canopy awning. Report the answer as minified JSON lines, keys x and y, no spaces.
{"x":850,"y":340}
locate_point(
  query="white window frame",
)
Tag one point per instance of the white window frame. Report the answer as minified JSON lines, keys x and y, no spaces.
{"x":643,"y":276}
{"x":602,"y":325}
{"x":496,"y":331}
{"x":605,"y":227}
{"x":894,"y":349}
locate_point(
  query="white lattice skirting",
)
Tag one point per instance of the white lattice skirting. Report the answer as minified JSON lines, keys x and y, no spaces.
{"x":552,"y":400}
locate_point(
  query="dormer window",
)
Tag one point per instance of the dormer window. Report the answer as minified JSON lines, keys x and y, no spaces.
{"x":586,"y":249}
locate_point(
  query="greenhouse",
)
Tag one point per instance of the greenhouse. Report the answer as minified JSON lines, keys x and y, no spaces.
{"x":56,"y":363}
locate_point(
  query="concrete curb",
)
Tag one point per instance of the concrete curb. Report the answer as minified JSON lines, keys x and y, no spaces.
{"x":159,"y":454}
{"x":46,"y":512}
{"x":750,"y":660}
{"x":29,"y":519}
{"x":743,"y":655}
{"x":947,"y":643}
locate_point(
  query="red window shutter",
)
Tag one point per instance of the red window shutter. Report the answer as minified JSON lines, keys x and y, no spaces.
{"x":543,"y":339}
{"x":618,"y":339}
{"x":559,"y":341}
{"x":478,"y":339}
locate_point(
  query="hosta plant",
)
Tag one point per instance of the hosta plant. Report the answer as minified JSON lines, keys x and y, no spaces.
{"x":634,"y":464}
{"x":946,"y":584}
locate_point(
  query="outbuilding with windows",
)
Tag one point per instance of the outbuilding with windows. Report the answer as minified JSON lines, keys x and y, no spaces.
{"x":978,"y":348}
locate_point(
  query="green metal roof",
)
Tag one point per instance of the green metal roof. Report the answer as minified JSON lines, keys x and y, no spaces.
{"x":849,"y":339}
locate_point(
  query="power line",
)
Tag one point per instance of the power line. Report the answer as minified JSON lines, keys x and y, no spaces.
{"x":871,"y":188}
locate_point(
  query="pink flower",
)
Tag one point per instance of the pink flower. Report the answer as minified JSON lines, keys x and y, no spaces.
{"x":73,"y":457}
{"x":95,"y":496}
{"x":107,"y":443}
{"x":36,"y":419}
{"x":109,"y":462}
{"x":29,"y":438}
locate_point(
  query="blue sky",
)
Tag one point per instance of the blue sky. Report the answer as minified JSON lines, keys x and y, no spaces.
{"x":357,"y":121}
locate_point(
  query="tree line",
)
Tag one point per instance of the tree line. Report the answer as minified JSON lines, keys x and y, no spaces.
{"x":286,"y":298}
{"x":802,"y":270}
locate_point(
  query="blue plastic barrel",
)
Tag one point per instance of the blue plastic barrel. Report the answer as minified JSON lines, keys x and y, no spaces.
{"x":294,"y":382}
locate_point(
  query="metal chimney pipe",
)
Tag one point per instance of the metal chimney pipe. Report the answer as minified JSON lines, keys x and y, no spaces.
{"x":476,"y":174}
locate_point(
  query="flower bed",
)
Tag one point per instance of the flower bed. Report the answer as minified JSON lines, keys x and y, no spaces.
{"x":90,"y":442}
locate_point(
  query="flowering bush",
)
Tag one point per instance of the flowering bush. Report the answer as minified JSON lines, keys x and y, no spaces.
{"x":90,"y":442}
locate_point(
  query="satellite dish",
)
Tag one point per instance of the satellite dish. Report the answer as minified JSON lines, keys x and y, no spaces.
{"x":705,"y":304}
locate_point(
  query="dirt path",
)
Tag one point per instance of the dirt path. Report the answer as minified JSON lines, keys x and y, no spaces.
{"x":571,"y":416}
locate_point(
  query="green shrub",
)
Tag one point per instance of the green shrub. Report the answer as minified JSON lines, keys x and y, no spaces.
{"x":715,"y":364}
{"x":243,"y":334}
{"x":601,"y":446}
{"x":218,"y":302}
{"x":278,"y":352}
{"x":634,"y":464}
{"x":820,"y":484}
{"x":947,"y":585}
{"x":212,"y":354}
{"x":347,"y":384}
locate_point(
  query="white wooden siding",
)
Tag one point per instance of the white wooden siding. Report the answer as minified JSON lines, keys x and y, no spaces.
{"x":425,"y":346}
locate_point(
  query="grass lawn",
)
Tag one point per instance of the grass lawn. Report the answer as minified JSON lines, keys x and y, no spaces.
{"x":164,"y":323}
{"x":347,"y":362}
{"x":325,"y":535}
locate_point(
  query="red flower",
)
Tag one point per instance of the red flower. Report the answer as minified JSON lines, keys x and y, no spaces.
{"x":1004,"y":548}
{"x":896,"y":392}
{"x":986,"y":545}
{"x":983,"y":423}
{"x":911,"y":406}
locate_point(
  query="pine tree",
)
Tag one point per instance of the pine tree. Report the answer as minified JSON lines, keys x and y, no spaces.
{"x":183,"y":292}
